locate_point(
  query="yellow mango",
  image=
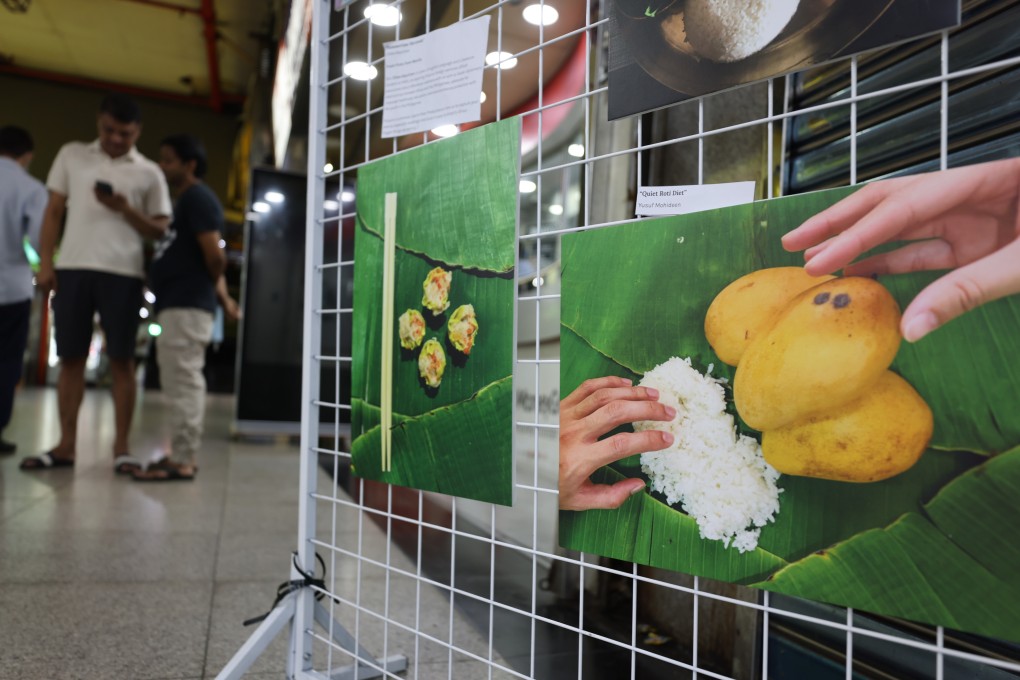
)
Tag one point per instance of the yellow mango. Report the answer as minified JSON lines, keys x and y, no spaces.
{"x":825,"y":349}
{"x":749,"y":306}
{"x":874,"y":437}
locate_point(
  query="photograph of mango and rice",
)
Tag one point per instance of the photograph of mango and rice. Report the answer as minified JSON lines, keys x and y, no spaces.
{"x":433,"y":312}
{"x":676,"y":49}
{"x":814,"y":451}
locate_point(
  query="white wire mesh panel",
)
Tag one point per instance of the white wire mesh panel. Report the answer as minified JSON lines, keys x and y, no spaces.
{"x":468,"y":590}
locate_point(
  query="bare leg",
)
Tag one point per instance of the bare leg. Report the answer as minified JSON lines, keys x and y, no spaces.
{"x":123,"y":373}
{"x":70,"y":391}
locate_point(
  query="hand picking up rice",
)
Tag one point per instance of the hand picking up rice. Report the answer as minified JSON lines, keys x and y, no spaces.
{"x":718,"y":476}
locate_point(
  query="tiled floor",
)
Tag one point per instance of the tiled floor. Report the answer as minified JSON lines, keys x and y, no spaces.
{"x":103,"y":577}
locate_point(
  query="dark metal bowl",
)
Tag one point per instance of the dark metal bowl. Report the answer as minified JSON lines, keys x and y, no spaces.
{"x":819,"y":30}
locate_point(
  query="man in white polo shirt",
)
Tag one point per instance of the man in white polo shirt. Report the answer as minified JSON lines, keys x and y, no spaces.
{"x":114,"y":199}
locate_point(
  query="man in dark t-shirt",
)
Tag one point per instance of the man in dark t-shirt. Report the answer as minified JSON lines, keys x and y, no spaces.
{"x":187,"y":278}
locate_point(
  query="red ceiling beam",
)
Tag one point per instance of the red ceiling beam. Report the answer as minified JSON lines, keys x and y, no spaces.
{"x":208,"y":13}
{"x":209,"y":30}
{"x":80,"y":81}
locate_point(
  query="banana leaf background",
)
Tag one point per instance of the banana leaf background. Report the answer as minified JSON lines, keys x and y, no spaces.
{"x":456,"y":208}
{"x":936,"y":544}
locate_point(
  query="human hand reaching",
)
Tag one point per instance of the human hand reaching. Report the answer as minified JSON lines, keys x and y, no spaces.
{"x":965,"y":220}
{"x":596,"y":407}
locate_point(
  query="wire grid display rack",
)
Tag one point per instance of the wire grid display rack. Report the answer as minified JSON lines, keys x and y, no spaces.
{"x":386,"y":611}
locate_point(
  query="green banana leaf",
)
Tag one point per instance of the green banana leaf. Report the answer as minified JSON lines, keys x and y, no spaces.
{"x":456,"y":199}
{"x":952,"y":564}
{"x":456,"y":208}
{"x":458,"y":449}
{"x":658,"y":535}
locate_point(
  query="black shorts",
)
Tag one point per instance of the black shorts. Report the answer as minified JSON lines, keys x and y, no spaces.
{"x":83,"y":292}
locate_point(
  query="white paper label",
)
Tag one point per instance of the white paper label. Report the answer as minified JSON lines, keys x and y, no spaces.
{"x":435,"y":79}
{"x":680,"y":200}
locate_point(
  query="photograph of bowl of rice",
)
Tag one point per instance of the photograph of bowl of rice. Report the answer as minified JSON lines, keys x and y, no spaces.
{"x":694,"y":47}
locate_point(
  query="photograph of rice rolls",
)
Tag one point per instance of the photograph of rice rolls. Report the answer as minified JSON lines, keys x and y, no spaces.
{"x":673,"y":51}
{"x":432,"y":408}
{"x":730,"y":413}
{"x":411,"y":326}
{"x":463,"y":328}
{"x":436,"y":287}
{"x":432,"y":363}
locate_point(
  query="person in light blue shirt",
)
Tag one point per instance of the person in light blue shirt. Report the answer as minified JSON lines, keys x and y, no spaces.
{"x":22,"y":204}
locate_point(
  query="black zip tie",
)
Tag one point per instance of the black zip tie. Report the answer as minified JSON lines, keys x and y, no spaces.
{"x":288,"y":587}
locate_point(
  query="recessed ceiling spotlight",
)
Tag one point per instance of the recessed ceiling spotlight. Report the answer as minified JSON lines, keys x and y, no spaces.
{"x":576,"y":150}
{"x":328,"y":167}
{"x":274,"y":197}
{"x":556,"y":209}
{"x":445,"y":130}
{"x":541,"y":15}
{"x":346,"y":196}
{"x":504,"y":60}
{"x":260,"y":207}
{"x":359,"y":70}
{"x":527,"y":186}
{"x":382,"y":15}
{"x":483,"y":98}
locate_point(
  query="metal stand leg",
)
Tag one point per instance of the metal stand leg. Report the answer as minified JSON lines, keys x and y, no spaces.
{"x":282,"y":615}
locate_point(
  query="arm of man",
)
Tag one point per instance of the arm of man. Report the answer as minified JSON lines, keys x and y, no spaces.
{"x":48,"y":238}
{"x":230,"y":306}
{"x":35,"y":212}
{"x":215,"y":260}
{"x":153,"y":227}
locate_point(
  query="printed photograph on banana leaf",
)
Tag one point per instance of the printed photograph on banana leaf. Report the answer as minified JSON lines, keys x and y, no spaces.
{"x":666,"y":51}
{"x":433,"y":316}
{"x":731,"y":416}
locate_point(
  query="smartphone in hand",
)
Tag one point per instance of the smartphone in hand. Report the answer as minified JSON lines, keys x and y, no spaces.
{"x":104,"y":188}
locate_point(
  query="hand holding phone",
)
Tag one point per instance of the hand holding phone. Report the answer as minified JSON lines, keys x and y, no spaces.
{"x":104,"y":188}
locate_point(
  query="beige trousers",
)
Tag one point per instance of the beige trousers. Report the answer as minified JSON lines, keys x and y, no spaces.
{"x":180,"y":352}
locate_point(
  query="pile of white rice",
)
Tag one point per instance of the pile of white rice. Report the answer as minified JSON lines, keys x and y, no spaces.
{"x":719,"y":477}
{"x":731,"y":30}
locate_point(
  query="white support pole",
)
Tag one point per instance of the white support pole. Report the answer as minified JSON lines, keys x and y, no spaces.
{"x":301,"y":651}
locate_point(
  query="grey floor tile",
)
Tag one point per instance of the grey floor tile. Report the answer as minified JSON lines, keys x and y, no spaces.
{"x":125,"y":630}
{"x":62,"y":556}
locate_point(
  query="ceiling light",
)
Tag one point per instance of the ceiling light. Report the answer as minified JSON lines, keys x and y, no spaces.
{"x":251,"y":216}
{"x":274,"y":197}
{"x":445,"y":130}
{"x":155,"y":329}
{"x":222,"y":244}
{"x":576,"y":150}
{"x":144,"y":313}
{"x":346,"y":196}
{"x":527,"y":186}
{"x":260,"y":207}
{"x":556,"y":209}
{"x":504,"y":59}
{"x":382,"y":15}
{"x":541,"y":15}
{"x":359,"y":70}
{"x":150,"y":297}
{"x":483,"y":98}
{"x":328,"y":167}
{"x":331,"y":205}
{"x":537,"y":281}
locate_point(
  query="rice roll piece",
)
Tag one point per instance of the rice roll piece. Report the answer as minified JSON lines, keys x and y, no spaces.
{"x":463,"y":328}
{"x":411,"y":326}
{"x":432,"y":362}
{"x":437,"y":291}
{"x":731,"y":30}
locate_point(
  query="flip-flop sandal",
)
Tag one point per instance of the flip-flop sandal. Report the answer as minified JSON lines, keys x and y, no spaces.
{"x":127,"y":465}
{"x":164,"y":471}
{"x":45,"y":461}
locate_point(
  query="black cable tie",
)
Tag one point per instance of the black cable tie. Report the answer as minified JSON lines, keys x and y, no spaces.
{"x":308,"y":580}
